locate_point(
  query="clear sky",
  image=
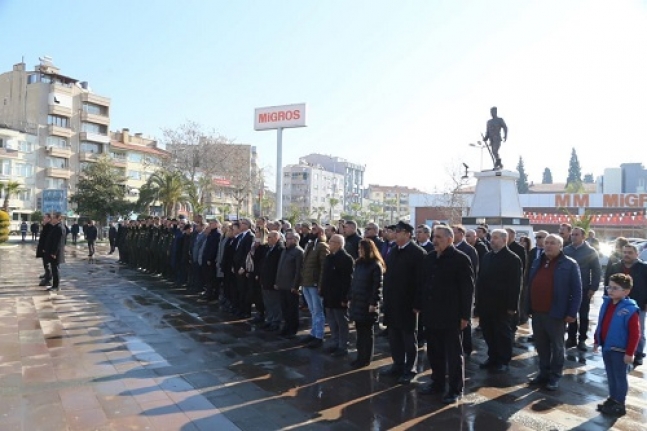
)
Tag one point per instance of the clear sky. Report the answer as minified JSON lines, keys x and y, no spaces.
{"x":402,"y":87}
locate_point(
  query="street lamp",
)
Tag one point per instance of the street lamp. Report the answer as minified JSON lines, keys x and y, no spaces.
{"x":480,"y":145}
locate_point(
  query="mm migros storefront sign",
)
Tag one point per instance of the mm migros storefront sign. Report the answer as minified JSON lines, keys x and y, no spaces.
{"x":584,"y":200}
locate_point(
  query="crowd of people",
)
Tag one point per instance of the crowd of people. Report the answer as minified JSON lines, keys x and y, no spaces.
{"x":423,"y":284}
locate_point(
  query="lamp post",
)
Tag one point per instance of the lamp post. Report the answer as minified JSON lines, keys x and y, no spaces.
{"x":480,"y":145}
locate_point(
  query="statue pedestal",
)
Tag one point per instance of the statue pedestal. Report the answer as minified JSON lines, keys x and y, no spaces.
{"x":496,"y":202}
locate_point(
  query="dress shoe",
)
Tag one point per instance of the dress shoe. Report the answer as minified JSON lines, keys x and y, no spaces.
{"x":638,"y":361}
{"x":581,"y":346}
{"x":607,"y":401}
{"x":315,"y":343}
{"x":614,"y":409}
{"x":430,"y":389}
{"x":406,"y":378}
{"x":451,"y":398}
{"x":390,"y":371}
{"x":338,"y":353}
{"x":306,"y":340}
{"x":570,"y":342}
{"x":52,"y":289}
{"x":42,"y":276}
{"x":552,"y":385}
{"x":45,"y":282}
{"x":538,"y":381}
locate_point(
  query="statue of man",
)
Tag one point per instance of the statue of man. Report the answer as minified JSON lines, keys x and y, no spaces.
{"x":493,"y":134}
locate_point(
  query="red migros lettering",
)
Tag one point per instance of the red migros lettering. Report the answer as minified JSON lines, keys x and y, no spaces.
{"x":272,"y":117}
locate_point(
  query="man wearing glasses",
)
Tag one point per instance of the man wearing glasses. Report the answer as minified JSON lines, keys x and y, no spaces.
{"x":371,"y":232}
{"x":555,"y":295}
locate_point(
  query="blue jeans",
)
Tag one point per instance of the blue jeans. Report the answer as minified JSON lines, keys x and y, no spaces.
{"x":616,"y":369}
{"x":315,"y":305}
{"x":641,"y":343}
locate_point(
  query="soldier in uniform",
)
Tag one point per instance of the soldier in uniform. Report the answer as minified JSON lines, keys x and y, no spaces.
{"x":493,"y":134}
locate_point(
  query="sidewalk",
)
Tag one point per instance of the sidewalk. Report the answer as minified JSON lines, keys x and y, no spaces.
{"x":120,"y":350}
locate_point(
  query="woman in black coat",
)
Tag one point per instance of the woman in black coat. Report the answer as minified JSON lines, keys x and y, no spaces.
{"x":364,"y":299}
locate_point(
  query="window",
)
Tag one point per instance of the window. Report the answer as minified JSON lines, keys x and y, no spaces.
{"x":134,"y":175}
{"x":134,"y":157}
{"x":118,"y":156}
{"x":57,"y":120}
{"x":25,"y":146}
{"x":57,"y":142}
{"x":23,"y":170}
{"x":99,"y":129}
{"x":56,"y":183}
{"x":5,"y":167}
{"x":90,"y":147}
{"x":93,"y":109}
{"x":24,"y":195}
{"x":56,"y":162}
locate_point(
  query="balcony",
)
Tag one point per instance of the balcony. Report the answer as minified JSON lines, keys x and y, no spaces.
{"x":88,"y":157}
{"x":64,"y":152}
{"x":56,"y":87}
{"x":119,"y":162}
{"x":94,"y":137}
{"x":59,"y":131}
{"x":94,"y":118}
{"x":63,"y":111}
{"x":58,"y":173}
{"x":96,"y":99}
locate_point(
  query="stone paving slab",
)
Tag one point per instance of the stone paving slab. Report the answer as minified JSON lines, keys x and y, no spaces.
{"x":120,"y":350}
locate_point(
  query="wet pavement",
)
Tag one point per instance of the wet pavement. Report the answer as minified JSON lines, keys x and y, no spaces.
{"x":120,"y":350}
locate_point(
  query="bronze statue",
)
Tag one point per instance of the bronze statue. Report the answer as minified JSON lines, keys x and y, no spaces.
{"x":493,"y":134}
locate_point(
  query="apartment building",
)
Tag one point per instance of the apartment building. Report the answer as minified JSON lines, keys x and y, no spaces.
{"x":353,"y":176}
{"x":312,"y":191}
{"x":394,"y":200}
{"x":54,"y":118}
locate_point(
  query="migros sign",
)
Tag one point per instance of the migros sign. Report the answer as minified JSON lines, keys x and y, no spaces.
{"x":280,"y":117}
{"x":611,"y":200}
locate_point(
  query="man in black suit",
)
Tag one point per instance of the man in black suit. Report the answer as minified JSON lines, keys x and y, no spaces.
{"x":243,"y":245}
{"x":444,"y":301}
{"x":54,"y":249}
{"x":371,"y":231}
{"x":40,"y":249}
{"x":472,"y":239}
{"x":423,"y":237}
{"x":91,"y":235}
{"x":389,"y":241}
{"x":462,"y":245}
{"x":271,"y":294}
{"x":112,"y":237}
{"x":497,"y":300}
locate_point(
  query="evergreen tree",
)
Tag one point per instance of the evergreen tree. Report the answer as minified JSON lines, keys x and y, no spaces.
{"x":100,"y":191}
{"x":522,"y":182}
{"x":588,"y":179}
{"x":547,"y":177}
{"x":574,"y":170}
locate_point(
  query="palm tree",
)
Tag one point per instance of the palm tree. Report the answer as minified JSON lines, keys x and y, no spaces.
{"x":332,"y":202}
{"x":9,"y":188}
{"x":171,"y":189}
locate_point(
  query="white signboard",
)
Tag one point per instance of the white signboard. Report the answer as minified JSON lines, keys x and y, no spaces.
{"x":280,"y":117}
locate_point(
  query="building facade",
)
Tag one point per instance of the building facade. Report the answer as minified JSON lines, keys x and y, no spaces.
{"x":353,"y":176}
{"x":394,"y":200}
{"x":310,"y":191}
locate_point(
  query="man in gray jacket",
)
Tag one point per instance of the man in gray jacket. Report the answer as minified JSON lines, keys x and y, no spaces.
{"x":288,"y":280}
{"x":587,"y":259}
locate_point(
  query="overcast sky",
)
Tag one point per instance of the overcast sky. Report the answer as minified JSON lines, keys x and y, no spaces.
{"x":402,"y":87}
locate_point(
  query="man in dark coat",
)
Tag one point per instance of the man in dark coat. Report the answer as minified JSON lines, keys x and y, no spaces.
{"x":472,"y":239}
{"x":209,"y":260}
{"x":267,"y":279}
{"x":400,"y":283}
{"x":34,"y":229}
{"x":40,"y":249}
{"x":242,"y":247}
{"x":423,"y":238}
{"x":497,"y":299}
{"x":288,"y":280}
{"x":444,"y":300}
{"x":352,"y":238}
{"x":75,"y":232}
{"x":371,"y":231}
{"x":335,"y":284}
{"x":54,"y":249}
{"x":112,"y":237}
{"x":91,"y":235}
{"x":462,"y":245}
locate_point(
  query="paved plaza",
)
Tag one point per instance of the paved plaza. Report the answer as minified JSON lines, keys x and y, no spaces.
{"x":116,"y":349}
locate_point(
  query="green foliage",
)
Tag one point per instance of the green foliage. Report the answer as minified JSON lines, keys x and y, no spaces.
{"x":574,"y":170}
{"x":332,"y":202}
{"x":588,"y":179}
{"x":584,"y":221}
{"x":169,"y":187}
{"x":4,"y":226}
{"x":547,"y":177}
{"x":100,"y":191}
{"x":37,"y":216}
{"x":9,"y":189}
{"x":522,"y":182}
